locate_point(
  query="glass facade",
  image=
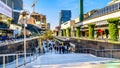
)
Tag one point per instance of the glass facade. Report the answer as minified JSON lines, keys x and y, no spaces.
{"x":3,"y":1}
{"x":65,"y":15}
{"x":8,"y":2}
{"x":18,"y":5}
{"x":105,"y":10}
{"x":16,"y":16}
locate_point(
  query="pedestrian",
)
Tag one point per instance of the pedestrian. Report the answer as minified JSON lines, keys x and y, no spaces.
{"x":3,"y":37}
{"x":50,"y":49}
{"x":60,"y":49}
{"x":63,"y":49}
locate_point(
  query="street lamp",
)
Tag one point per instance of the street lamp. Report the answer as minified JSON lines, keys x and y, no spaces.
{"x":24,"y":21}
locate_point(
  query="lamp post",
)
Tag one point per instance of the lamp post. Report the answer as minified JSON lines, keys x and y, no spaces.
{"x":24,"y":18}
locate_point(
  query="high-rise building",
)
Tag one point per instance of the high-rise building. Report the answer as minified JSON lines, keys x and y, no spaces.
{"x":48,"y":26}
{"x":40,"y":20}
{"x":65,"y":15}
{"x":17,"y":7}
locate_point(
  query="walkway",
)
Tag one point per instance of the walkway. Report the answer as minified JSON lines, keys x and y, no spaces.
{"x":72,"y":60}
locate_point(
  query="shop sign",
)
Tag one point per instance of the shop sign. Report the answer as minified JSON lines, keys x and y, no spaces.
{"x":5,"y":10}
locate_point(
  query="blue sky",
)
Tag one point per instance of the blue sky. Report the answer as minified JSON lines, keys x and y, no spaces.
{"x":51,"y":8}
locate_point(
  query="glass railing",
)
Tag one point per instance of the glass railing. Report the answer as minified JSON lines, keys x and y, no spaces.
{"x":105,"y":10}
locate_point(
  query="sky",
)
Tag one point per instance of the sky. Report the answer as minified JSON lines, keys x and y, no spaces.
{"x":51,"y":8}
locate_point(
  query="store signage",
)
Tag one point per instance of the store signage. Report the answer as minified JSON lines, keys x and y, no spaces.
{"x":5,"y":10}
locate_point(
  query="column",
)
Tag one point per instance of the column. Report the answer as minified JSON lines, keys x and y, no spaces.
{"x":91,"y":31}
{"x":65,"y":32}
{"x":69,"y":32}
{"x":77,"y":31}
{"x":113,"y":28}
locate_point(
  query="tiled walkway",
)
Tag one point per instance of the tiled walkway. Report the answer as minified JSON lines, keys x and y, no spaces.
{"x":51,"y":60}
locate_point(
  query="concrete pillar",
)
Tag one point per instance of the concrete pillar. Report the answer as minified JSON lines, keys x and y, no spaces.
{"x":64,"y":32}
{"x":91,"y":31}
{"x":113,"y":28}
{"x":77,"y":31}
{"x":69,"y":32}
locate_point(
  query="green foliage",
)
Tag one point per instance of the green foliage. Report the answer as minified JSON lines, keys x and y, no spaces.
{"x":47,"y":34}
{"x":64,"y":32}
{"x":91,"y":31}
{"x":77,"y":31}
{"x":69,"y":32}
{"x":113,"y":28}
{"x":113,"y":20}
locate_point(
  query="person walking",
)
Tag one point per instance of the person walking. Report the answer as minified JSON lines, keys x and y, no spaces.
{"x":63,"y":49}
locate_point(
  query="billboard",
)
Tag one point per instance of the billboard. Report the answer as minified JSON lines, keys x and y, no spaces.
{"x":5,"y":10}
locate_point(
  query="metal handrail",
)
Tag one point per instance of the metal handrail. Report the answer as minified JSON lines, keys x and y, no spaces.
{"x":17,"y":41}
{"x":32,"y":57}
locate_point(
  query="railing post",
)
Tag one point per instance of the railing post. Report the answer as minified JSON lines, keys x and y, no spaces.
{"x":30,"y":57}
{"x":3,"y":61}
{"x":16,"y":60}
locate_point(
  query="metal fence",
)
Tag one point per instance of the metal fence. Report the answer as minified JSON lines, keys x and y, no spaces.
{"x":16,"y":60}
{"x":106,"y":53}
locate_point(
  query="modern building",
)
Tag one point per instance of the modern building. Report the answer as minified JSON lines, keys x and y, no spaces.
{"x":40,"y":20}
{"x":17,"y":8}
{"x":65,"y":15}
{"x":99,"y":19}
{"x":5,"y":17}
{"x":67,"y":28}
{"x":48,"y":26}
